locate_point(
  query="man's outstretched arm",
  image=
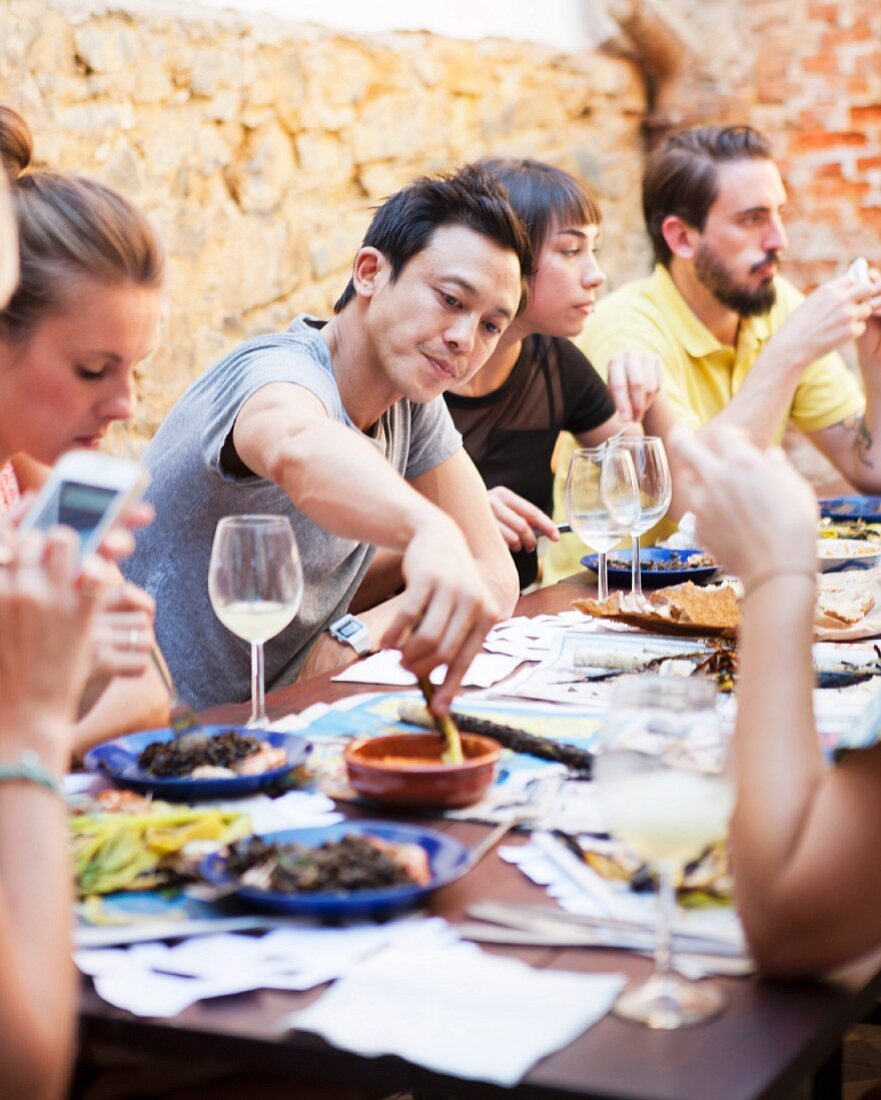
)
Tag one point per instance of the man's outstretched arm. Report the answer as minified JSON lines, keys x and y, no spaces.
{"x":342,"y":483}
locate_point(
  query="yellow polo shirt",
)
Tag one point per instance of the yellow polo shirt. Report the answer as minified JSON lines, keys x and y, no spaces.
{"x":700,"y":374}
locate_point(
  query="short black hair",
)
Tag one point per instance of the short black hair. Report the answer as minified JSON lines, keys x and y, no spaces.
{"x":681,"y":178}
{"x":471,"y":196}
{"x":543,"y":196}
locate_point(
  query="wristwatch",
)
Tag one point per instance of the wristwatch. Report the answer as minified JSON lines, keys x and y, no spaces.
{"x":351,"y":631}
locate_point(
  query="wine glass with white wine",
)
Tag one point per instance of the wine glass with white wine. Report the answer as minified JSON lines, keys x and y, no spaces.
{"x":255,"y":582}
{"x":655,"y":494}
{"x":663,"y":779}
{"x":602,"y":501}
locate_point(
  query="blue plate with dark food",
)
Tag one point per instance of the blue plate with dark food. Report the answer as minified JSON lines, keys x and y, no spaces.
{"x":856,"y":507}
{"x":660,"y":567}
{"x":276,"y":754}
{"x":435,"y":858}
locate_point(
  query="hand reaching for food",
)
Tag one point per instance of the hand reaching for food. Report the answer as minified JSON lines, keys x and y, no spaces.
{"x":445,"y":610}
{"x":754,"y":511}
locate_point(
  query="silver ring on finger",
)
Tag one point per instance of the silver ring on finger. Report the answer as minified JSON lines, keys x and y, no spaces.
{"x":134,"y":638}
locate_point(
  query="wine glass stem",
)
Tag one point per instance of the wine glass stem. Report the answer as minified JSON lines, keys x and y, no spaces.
{"x":636,"y":567}
{"x":258,"y":698}
{"x":666,"y":917}
{"x":603,"y":576}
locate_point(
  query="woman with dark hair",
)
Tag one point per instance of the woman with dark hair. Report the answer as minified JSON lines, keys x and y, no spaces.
{"x":804,"y":835}
{"x":81,"y":317}
{"x":537,"y":383}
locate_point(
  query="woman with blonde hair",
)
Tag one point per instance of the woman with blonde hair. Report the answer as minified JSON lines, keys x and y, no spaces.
{"x":47,"y":612}
{"x":82,"y":315}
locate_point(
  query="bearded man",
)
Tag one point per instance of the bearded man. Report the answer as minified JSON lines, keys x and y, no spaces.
{"x":739,"y":344}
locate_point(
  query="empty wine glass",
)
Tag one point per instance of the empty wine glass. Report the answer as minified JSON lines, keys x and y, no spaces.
{"x":602,"y":501}
{"x":255,"y":582}
{"x":655,"y":494}
{"x":663,"y":780}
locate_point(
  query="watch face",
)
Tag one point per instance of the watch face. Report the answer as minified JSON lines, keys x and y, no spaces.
{"x":349,"y":628}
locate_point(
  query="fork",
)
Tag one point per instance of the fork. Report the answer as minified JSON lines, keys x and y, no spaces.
{"x":182,"y":717}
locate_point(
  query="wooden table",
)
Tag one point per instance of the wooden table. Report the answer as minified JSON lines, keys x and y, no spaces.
{"x":771,"y":1036}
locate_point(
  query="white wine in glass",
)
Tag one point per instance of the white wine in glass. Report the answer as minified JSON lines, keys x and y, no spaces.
{"x":255,"y":582}
{"x":663,"y":779}
{"x":655,"y":493}
{"x":602,"y":501}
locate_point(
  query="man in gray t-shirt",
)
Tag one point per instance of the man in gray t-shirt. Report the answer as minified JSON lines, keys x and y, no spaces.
{"x":341,"y":427}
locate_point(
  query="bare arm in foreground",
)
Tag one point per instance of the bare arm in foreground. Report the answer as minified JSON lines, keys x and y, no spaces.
{"x":804,"y":835}
{"x":44,"y":656}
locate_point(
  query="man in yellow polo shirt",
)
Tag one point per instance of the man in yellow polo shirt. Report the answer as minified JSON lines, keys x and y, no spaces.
{"x":738,"y":342}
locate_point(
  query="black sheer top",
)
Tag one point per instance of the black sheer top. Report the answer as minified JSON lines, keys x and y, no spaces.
{"x":510,"y":433}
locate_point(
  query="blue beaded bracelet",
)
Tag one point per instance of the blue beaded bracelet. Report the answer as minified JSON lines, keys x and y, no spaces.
{"x":29,"y":770}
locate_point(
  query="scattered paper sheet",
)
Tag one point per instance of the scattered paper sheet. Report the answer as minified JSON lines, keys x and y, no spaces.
{"x":385,"y":668}
{"x":160,"y":980}
{"x":579,"y":889}
{"x":413,"y":1004}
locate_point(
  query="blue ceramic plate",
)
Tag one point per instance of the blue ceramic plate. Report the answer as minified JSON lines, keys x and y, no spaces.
{"x":654,"y":578}
{"x":868,"y":508}
{"x":447,"y":858}
{"x":118,"y":760}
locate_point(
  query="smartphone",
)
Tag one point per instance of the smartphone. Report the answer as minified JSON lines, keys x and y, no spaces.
{"x":87,"y":491}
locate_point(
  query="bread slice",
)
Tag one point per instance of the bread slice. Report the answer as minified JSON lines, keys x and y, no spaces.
{"x":688,"y":603}
{"x":715,"y":608}
{"x":845,"y":607}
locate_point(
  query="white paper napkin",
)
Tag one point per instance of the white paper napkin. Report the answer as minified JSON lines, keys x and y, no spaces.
{"x":161,"y":980}
{"x":457,"y":1010}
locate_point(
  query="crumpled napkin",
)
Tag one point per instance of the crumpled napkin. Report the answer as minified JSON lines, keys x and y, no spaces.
{"x":458,"y":1010}
{"x":684,"y":538}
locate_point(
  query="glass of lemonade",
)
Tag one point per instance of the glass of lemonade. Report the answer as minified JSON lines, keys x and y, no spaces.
{"x":255,"y":582}
{"x":602,"y":501}
{"x":663,"y":778}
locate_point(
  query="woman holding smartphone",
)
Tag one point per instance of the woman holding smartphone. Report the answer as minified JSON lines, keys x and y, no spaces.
{"x":536,"y":383}
{"x":47,"y":611}
{"x":82,"y":316}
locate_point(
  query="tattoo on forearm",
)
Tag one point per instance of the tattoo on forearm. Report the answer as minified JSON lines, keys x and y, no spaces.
{"x":863,"y":441}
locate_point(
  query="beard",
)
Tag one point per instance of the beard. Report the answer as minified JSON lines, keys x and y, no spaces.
{"x":712,"y":271}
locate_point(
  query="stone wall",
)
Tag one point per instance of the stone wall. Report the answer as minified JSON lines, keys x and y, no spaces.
{"x":258,"y":147}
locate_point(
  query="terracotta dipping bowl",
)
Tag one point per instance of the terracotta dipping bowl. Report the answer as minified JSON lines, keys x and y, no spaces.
{"x":405,"y":769}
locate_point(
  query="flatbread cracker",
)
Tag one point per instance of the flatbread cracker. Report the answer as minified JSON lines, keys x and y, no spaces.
{"x":680,"y":608}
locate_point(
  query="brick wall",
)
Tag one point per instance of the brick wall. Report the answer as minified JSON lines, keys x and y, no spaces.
{"x":808,"y":74}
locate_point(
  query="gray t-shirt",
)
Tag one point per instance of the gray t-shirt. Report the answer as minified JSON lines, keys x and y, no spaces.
{"x":197,"y":479}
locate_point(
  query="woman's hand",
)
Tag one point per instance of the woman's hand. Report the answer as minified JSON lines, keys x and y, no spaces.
{"x":634,"y":380}
{"x":48,"y":605}
{"x":121,"y":639}
{"x":122,"y":633}
{"x":519,"y":521}
{"x":754,"y":511}
{"x":117,"y":544}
